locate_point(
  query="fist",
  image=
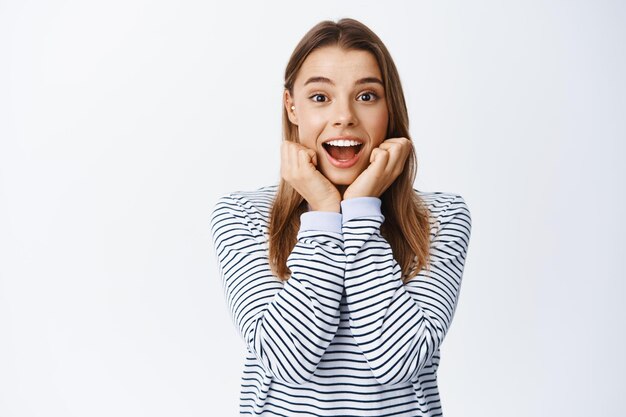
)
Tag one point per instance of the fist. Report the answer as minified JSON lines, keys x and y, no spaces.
{"x":386,"y":164}
{"x":299,"y":168}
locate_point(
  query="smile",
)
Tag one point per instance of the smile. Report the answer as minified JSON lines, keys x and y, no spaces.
{"x":342,"y":153}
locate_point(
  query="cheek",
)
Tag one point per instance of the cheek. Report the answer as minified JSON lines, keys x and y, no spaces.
{"x":375,"y":121}
{"x":306,"y":140}
{"x":310,"y":127}
{"x":377,"y":124}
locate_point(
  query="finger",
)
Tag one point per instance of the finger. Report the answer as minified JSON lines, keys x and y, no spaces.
{"x":399,"y":156}
{"x":313,"y":156}
{"x":293,"y":156}
{"x":379,"y":159}
{"x":386,"y":144}
{"x":284,"y":158}
{"x":304,"y":159}
{"x":403,"y":144}
{"x":373,"y":154}
{"x":381,"y":165}
{"x":397,"y":140}
{"x":283,"y":151}
{"x":391,"y":143}
{"x":399,"y":148}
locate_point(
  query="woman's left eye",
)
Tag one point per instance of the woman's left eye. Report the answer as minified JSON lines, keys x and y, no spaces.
{"x":369,"y":93}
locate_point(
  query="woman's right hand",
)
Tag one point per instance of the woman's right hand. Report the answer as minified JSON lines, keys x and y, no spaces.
{"x":298,"y":168}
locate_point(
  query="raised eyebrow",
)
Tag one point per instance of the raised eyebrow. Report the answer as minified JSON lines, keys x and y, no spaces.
{"x":366,"y":80}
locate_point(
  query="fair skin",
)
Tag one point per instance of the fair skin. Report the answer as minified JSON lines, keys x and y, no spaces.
{"x":338,"y":106}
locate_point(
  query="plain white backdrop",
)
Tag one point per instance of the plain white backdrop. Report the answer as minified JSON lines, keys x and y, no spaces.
{"x":122,"y":122}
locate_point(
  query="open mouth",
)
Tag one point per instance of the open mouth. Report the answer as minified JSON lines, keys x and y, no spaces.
{"x":342,"y":150}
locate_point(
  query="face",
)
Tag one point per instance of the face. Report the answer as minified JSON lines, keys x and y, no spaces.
{"x":339,"y":94}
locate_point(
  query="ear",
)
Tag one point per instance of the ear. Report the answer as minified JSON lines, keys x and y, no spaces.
{"x":288,"y":101}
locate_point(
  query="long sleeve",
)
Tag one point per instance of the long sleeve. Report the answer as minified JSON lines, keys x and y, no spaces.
{"x":286,"y":325}
{"x":400,"y":326}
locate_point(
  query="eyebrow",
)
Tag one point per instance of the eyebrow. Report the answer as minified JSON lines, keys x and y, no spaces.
{"x":365,"y":80}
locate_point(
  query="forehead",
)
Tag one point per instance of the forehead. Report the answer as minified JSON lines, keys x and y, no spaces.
{"x":339,"y":65}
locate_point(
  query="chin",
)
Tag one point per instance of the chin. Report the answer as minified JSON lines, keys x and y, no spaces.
{"x":342,"y":178}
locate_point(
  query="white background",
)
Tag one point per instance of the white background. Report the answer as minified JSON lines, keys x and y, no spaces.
{"x":122,"y":122}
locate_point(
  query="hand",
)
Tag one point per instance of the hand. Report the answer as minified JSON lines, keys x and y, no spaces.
{"x":299,"y":168}
{"x":386,"y":163}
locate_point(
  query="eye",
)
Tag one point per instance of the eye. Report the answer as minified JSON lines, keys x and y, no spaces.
{"x":316,"y":95}
{"x":370,"y":94}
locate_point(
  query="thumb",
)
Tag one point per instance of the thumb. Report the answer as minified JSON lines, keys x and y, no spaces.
{"x":313,"y":156}
{"x":373,"y":155}
{"x":376,"y":155}
{"x":379,"y":158}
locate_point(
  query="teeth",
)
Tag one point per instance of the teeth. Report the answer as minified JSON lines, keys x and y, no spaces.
{"x":343,"y":142}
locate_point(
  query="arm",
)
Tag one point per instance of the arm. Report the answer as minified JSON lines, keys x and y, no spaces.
{"x":289,"y":325}
{"x":399,"y":327}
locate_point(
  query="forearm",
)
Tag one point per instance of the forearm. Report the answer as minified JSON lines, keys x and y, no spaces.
{"x":396,"y":335}
{"x":287,"y":326}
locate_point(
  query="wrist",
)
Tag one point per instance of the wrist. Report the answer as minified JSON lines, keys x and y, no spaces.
{"x":349,"y":195}
{"x":328,"y":206}
{"x":358,"y":207}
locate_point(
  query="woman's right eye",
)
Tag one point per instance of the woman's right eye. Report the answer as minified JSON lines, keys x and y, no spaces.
{"x":317,"y":95}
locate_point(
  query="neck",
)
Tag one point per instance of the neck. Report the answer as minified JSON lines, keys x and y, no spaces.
{"x":342,"y":189}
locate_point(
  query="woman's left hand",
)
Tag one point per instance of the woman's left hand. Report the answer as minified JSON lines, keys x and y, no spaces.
{"x":386,"y":164}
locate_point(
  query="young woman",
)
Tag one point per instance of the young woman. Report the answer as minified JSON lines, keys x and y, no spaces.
{"x":343,"y":279}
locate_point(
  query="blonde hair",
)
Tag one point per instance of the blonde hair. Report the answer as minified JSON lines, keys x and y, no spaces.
{"x":406,"y":226}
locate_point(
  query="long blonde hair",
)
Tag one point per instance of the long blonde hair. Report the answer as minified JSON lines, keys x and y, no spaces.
{"x":406,"y":226}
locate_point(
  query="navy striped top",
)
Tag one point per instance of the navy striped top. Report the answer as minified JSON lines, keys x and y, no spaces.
{"x":343,"y":336}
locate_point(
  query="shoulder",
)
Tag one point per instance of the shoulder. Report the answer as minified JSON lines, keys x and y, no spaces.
{"x":446,"y":207}
{"x":441,"y":201}
{"x":251,"y":208}
{"x":261,"y":198}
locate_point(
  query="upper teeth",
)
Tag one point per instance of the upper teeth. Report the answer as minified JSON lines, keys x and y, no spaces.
{"x":343,"y":142}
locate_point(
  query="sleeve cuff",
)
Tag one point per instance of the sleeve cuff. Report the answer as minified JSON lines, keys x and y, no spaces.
{"x":323,"y":221}
{"x":353,"y":208}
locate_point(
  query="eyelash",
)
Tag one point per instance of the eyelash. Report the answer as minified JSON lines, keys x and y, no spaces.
{"x":376,"y":97}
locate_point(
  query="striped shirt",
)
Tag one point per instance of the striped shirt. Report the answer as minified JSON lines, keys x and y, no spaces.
{"x":343,"y":336}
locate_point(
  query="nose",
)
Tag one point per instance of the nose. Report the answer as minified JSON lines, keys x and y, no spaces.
{"x":344,"y":114}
